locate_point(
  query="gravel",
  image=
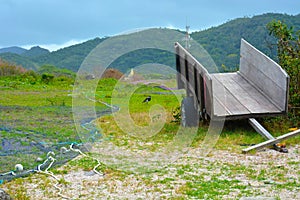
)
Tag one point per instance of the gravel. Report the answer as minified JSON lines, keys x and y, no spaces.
{"x":167,"y":183}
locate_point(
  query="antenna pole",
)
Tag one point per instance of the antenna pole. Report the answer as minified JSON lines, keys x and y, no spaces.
{"x":187,"y":37}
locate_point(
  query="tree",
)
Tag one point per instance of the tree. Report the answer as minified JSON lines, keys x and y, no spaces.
{"x":8,"y":69}
{"x":288,"y":50}
{"x":51,"y":69}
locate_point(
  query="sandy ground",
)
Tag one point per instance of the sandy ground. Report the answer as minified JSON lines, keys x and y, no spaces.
{"x":87,"y":185}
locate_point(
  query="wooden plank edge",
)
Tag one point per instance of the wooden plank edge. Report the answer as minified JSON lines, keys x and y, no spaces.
{"x":272,"y":141}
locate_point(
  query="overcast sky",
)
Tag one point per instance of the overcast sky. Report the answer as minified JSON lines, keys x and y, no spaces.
{"x":56,"y":23}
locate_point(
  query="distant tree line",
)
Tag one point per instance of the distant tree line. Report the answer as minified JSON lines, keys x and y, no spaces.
{"x":45,"y":74}
{"x":8,"y":69}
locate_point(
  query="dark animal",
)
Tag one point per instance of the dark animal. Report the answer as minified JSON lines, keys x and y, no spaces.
{"x":147,"y":99}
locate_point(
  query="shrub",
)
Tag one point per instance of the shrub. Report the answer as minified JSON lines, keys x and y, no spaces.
{"x":288,"y":50}
{"x":47,"y":78}
{"x":8,"y":69}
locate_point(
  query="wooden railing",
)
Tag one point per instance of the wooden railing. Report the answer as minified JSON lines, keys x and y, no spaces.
{"x":195,"y":79}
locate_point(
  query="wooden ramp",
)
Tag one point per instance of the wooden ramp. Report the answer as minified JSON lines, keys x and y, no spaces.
{"x":259,"y":88}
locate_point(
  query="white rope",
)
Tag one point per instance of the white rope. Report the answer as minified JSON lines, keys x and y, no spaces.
{"x":104,"y":103}
{"x":7,"y":173}
{"x":51,"y":155}
{"x":50,"y":158}
{"x":46,"y":172}
{"x":83,"y":154}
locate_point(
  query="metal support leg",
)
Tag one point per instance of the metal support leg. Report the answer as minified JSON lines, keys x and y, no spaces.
{"x":263,"y":132}
{"x":260,"y":129}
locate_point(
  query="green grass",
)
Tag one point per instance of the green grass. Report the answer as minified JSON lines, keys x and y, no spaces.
{"x":35,"y":113}
{"x":213,"y":189}
{"x":45,"y":111}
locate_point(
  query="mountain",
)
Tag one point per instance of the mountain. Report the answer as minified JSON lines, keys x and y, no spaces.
{"x":19,"y":60}
{"x":16,"y":50}
{"x":21,"y":56}
{"x":35,"y":51}
{"x":221,"y":42}
{"x":70,"y":57}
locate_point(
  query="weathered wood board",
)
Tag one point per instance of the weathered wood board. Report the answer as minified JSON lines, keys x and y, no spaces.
{"x":265,"y":74}
{"x":193,"y":77}
{"x":239,"y":97}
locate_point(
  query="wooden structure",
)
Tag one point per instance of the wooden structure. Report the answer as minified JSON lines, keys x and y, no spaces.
{"x":260,"y":88}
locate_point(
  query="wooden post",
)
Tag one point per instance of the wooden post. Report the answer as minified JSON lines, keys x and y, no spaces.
{"x":272,"y":141}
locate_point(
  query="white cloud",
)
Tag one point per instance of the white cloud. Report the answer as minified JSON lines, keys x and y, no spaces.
{"x":170,"y":26}
{"x":54,"y":47}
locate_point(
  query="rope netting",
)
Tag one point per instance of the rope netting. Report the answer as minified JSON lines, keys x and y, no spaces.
{"x":34,"y":137}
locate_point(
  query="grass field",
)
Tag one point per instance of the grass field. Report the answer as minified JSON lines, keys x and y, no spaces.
{"x":43,"y":113}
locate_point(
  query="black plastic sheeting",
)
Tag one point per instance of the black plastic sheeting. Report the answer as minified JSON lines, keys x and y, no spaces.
{"x":35,"y":145}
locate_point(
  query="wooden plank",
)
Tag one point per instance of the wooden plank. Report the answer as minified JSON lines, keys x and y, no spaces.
{"x":220,"y":109}
{"x":197,"y":84}
{"x":185,"y":54}
{"x":201,"y":95}
{"x":259,"y":96}
{"x":260,"y":129}
{"x":233,"y":106}
{"x":246,"y":93}
{"x":191,"y":78}
{"x":263,"y":64}
{"x":266,"y":74}
{"x":181,"y":65}
{"x":241,"y":95}
{"x":180,"y":84}
{"x":183,"y":72}
{"x":229,"y":101}
{"x":268,"y":86}
{"x":208,"y":95}
{"x":188,"y":66}
{"x":272,"y":141}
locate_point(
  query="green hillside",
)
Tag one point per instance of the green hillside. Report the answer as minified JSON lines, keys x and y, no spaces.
{"x":143,"y":56}
{"x":69,"y":57}
{"x":35,"y":52}
{"x":24,"y":61}
{"x":221,"y":42}
{"x":16,"y":50}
